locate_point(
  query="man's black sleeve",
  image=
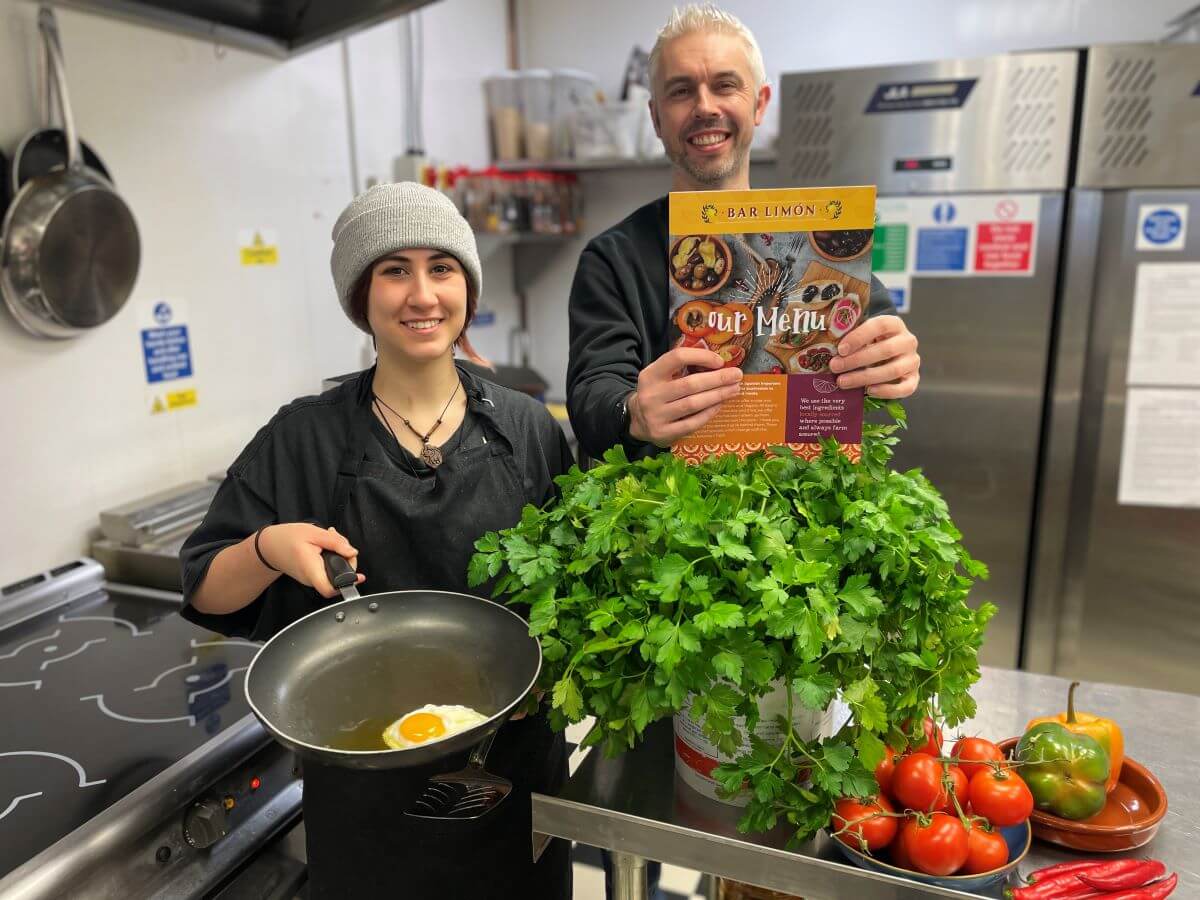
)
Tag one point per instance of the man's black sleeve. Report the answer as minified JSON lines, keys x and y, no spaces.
{"x":608,"y":350}
{"x":881,"y":301}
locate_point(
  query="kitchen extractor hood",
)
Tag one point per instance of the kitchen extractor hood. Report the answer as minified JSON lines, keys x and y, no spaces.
{"x":279,"y":28}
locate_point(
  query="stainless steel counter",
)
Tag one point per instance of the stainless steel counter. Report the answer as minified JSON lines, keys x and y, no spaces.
{"x":637,"y":806}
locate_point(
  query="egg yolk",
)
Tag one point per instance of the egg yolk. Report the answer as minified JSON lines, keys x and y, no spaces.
{"x":422,"y":726}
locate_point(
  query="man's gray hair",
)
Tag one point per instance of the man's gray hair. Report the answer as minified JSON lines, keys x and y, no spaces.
{"x":706,"y":17}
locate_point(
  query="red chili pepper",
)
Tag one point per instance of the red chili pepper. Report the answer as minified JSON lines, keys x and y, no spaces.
{"x":1064,"y":887}
{"x":1156,"y":891}
{"x":1066,"y":868}
{"x":1117,"y":877}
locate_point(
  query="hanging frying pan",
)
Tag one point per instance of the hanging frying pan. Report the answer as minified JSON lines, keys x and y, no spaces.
{"x":328,"y":684}
{"x":71,"y":248}
{"x":3,"y":186}
{"x":44,"y":150}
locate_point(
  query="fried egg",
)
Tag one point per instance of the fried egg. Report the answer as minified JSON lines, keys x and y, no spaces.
{"x":430,"y":723}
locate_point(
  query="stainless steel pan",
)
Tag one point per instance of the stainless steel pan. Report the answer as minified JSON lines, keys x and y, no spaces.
{"x":328,"y":684}
{"x":70,"y":249}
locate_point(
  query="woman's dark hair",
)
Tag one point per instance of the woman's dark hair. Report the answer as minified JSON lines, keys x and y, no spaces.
{"x":360,"y":295}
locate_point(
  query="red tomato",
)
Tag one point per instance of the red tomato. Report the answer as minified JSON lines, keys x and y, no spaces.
{"x":933,"y":739}
{"x":883,"y":771}
{"x":961,"y":787}
{"x":898,"y":851}
{"x":865,"y":820}
{"x":1001,"y":798}
{"x":986,"y":850}
{"x":974,"y":753}
{"x":917,"y":783}
{"x":939,"y":848}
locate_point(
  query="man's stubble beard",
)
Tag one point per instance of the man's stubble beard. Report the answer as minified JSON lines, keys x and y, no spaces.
{"x":711,"y":176}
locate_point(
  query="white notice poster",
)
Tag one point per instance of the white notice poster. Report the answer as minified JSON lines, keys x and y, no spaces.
{"x":1164,"y":343}
{"x":1160,"y":451}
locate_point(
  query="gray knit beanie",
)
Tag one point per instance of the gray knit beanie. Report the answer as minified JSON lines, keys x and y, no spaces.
{"x":401,"y":216}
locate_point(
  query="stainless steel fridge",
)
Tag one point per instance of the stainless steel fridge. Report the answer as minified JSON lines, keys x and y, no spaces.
{"x":1115,"y":593}
{"x":972,"y":160}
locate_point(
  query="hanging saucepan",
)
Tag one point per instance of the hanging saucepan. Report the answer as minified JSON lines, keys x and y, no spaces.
{"x":3,"y":187}
{"x":330,"y":683}
{"x":44,"y":150}
{"x":71,"y":249}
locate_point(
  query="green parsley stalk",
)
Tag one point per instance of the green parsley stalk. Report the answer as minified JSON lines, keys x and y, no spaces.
{"x":648,"y":581}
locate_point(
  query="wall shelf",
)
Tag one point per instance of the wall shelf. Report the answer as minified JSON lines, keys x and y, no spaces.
{"x":489,"y":242}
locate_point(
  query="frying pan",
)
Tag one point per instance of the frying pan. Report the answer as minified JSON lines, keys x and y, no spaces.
{"x":351,"y":668}
{"x":70,"y":244}
{"x":44,"y":150}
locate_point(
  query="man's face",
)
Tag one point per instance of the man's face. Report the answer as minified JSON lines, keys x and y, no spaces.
{"x":706,"y":106}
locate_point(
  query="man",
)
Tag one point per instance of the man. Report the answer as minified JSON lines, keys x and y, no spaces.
{"x":708,"y":93}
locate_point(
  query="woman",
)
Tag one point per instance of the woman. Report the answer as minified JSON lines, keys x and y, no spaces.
{"x":400,"y":468}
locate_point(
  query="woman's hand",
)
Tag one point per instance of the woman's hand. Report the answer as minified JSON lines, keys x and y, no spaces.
{"x":294,"y":548}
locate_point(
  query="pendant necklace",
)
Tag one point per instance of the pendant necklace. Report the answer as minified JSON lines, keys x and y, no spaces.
{"x":430,"y":455}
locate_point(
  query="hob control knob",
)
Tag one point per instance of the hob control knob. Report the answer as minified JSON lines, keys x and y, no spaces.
{"x":205,"y":824}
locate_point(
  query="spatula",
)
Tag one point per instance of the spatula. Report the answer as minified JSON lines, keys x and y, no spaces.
{"x":469,"y":793}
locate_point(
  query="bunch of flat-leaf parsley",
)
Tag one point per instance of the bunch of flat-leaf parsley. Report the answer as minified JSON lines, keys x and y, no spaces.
{"x":651,"y":580}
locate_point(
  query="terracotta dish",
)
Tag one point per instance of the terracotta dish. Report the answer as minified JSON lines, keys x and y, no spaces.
{"x":711,"y":281}
{"x":1130,"y":818}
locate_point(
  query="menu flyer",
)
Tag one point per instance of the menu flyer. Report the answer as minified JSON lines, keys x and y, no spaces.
{"x":771,"y":280}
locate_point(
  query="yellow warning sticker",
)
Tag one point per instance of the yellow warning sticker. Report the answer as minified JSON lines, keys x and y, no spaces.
{"x":158,"y":406}
{"x":180,"y":399}
{"x":259,"y":248}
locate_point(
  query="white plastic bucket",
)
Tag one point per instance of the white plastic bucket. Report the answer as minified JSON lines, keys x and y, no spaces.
{"x":696,"y":757}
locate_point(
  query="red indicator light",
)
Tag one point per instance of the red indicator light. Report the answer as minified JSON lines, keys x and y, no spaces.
{"x":255,"y":783}
{"x":910,"y":164}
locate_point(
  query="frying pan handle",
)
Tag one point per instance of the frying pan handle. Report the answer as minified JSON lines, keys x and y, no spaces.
{"x":57,"y":68}
{"x":479,"y":754}
{"x":341,"y":576}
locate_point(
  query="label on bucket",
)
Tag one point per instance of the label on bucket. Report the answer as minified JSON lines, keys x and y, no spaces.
{"x":696,"y":756}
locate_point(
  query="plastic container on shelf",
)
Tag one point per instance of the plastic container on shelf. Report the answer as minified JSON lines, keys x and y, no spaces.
{"x":611,"y":131}
{"x":537,"y":110}
{"x":573,"y":94}
{"x":503,"y":92}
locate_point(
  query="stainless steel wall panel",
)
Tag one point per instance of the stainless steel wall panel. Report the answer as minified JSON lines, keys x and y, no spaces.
{"x":1010,"y":132}
{"x":1141,"y":117}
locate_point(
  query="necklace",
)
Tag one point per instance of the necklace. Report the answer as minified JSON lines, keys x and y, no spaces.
{"x":431,"y":456}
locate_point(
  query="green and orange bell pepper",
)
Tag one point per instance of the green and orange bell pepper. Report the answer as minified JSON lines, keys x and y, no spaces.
{"x":1105,"y":731}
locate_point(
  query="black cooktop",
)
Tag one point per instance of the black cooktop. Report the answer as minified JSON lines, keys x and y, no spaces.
{"x":96,"y":698}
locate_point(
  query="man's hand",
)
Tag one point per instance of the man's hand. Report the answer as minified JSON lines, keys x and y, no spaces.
{"x":665,"y":408}
{"x":880,"y":355}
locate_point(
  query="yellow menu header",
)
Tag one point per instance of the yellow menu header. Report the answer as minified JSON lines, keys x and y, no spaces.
{"x":772,"y":210}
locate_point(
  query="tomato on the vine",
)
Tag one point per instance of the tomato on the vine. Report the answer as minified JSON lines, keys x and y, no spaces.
{"x":974,"y":753}
{"x":917,"y":783}
{"x":866,"y":820}
{"x":986,"y":850}
{"x":938,"y":847}
{"x":883,"y":771}
{"x":961,"y":787}
{"x":898,"y":850}
{"x":1002,"y":798}
{"x":933,"y":738}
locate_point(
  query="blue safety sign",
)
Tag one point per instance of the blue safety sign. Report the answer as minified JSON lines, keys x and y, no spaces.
{"x":167,"y":353}
{"x":941,"y":250}
{"x":1162,"y":226}
{"x":944,"y":213}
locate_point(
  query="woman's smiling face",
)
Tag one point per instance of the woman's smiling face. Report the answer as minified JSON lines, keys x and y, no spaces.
{"x":417,"y":302}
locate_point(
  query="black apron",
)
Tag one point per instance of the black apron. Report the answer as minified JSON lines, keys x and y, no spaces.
{"x":415,"y":533}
